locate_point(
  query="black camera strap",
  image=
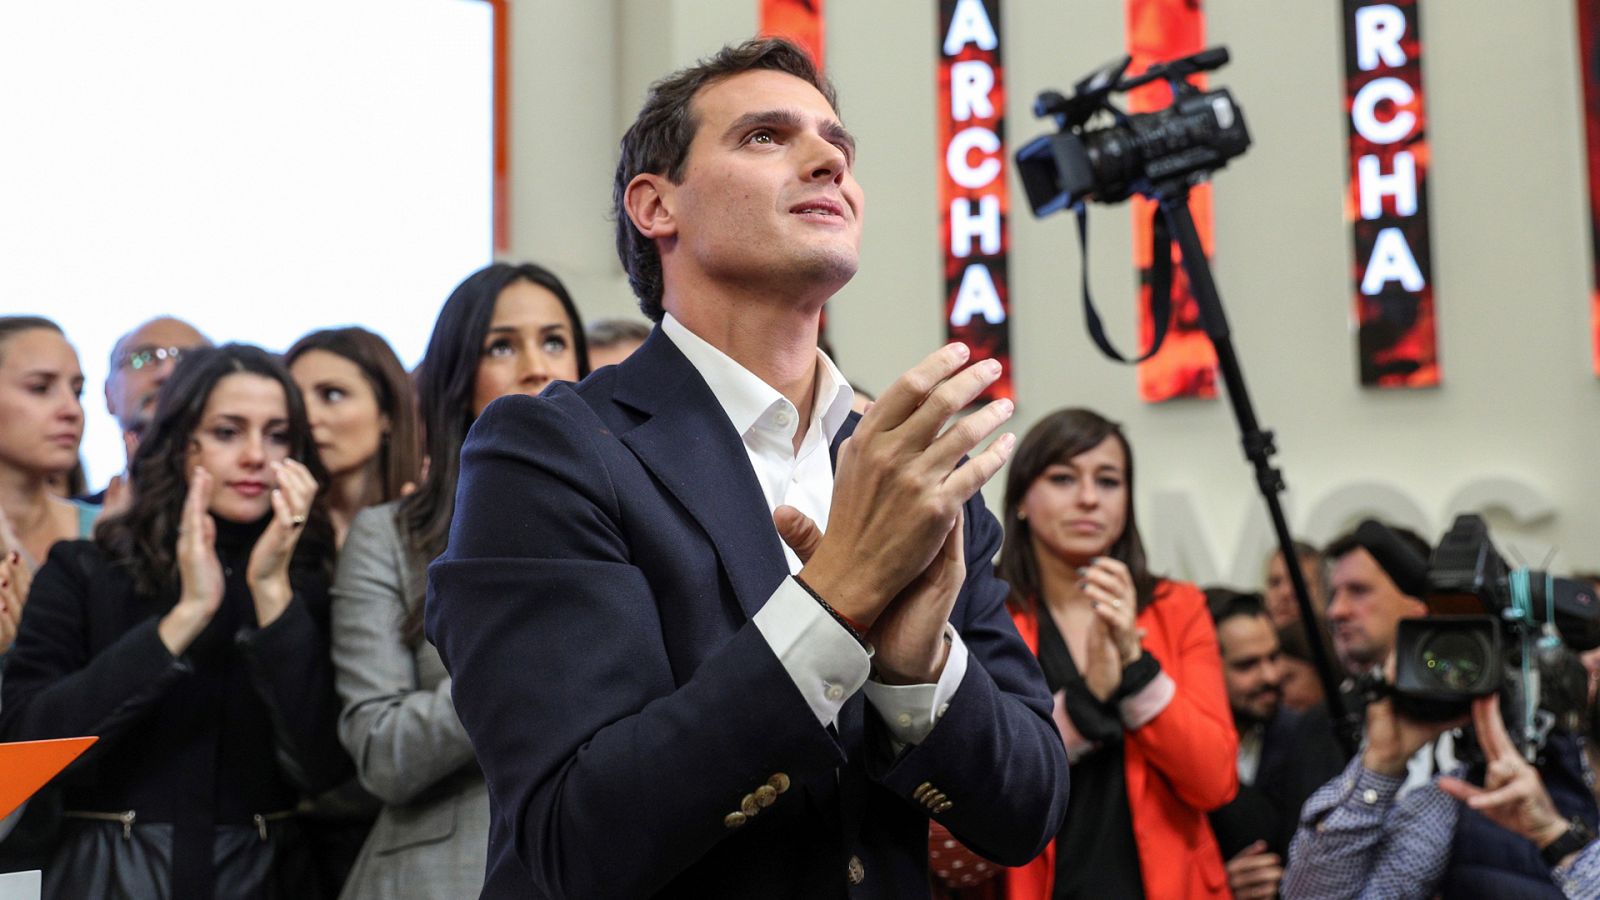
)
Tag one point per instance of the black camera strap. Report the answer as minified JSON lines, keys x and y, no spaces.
{"x":1160,"y":285}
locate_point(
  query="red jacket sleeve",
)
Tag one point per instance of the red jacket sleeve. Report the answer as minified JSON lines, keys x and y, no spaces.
{"x":1192,"y":742}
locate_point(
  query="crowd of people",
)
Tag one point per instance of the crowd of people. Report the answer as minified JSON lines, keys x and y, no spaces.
{"x":247,"y":619}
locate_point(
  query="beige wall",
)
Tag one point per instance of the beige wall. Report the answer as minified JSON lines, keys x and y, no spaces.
{"x":1517,"y":421}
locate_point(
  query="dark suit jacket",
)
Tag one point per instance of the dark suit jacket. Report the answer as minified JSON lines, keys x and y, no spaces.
{"x":610,"y":546}
{"x":1298,"y":755}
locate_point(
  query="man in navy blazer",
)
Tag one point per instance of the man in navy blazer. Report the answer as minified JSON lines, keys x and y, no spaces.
{"x":711,"y":634}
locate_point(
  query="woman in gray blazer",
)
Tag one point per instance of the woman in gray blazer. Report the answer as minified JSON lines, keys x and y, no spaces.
{"x":505,"y":330}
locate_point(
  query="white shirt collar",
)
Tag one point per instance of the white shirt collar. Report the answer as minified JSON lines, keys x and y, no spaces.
{"x":745,"y":398}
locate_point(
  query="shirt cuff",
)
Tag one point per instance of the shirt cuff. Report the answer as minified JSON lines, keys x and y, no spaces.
{"x":911,"y":710}
{"x":1138,"y":708}
{"x":823,"y":660}
{"x":1365,"y":799}
{"x":1581,"y":876}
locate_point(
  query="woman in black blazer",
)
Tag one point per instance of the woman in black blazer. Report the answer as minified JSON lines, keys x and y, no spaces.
{"x":191,"y":637}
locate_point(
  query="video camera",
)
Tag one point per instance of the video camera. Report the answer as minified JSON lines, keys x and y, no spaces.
{"x":1491,"y":628}
{"x":1187,"y":141}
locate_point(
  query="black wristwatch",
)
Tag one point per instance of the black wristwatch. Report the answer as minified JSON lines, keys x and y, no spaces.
{"x":1577,"y":836}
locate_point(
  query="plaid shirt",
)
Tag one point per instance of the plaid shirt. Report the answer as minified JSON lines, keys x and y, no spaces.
{"x":1356,"y":841}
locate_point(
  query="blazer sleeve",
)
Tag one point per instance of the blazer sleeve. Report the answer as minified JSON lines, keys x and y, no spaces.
{"x":562,"y":678}
{"x":290,"y":667}
{"x":404,"y":739}
{"x":55,"y":686}
{"x":1192,"y":742}
{"x":995,"y":753}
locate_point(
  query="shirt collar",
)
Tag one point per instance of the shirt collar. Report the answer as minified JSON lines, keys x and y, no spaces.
{"x":744,"y":397}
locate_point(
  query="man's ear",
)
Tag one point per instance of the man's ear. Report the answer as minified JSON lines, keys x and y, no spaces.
{"x":648,"y":200}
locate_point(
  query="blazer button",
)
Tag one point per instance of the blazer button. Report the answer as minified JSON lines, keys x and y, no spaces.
{"x":734,"y":820}
{"x":765,"y":795}
{"x":922,"y":790}
{"x":749,"y":806}
{"x":779,"y":782}
{"x":855,"y":871}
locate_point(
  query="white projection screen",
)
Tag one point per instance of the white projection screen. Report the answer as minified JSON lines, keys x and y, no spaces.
{"x":259,"y":169}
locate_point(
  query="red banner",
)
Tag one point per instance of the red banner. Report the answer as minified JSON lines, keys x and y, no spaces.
{"x":973,"y":201}
{"x":1589,"y":61}
{"x":799,"y":21}
{"x":1387,"y":200}
{"x":1186,"y":365}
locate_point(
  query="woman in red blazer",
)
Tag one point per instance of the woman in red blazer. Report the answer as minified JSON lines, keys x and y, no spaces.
{"x":1133,"y":662}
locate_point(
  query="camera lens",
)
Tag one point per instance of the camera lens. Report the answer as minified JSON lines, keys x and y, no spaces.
{"x":1454,"y":660}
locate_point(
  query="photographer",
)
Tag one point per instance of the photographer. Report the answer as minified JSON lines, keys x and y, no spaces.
{"x":1391,"y":825}
{"x":1356,"y":839}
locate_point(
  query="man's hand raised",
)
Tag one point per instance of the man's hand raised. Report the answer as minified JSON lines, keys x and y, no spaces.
{"x":897,"y":489}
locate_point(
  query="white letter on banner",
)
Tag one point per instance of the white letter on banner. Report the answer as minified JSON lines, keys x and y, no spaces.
{"x":964,"y":226}
{"x":971,"y":80}
{"x":1367,"y":99}
{"x":977,"y":295}
{"x":955,"y":158}
{"x":969,"y":24}
{"x":1391,"y":260}
{"x":1378,"y":33}
{"x":1401,"y":184}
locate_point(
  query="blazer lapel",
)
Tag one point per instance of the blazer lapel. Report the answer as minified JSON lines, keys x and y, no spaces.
{"x":689,"y":445}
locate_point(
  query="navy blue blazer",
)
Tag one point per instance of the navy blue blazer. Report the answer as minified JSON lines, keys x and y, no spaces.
{"x":609,"y":548}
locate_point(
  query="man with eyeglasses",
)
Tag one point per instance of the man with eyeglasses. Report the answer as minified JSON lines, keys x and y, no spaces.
{"x":140,"y":363}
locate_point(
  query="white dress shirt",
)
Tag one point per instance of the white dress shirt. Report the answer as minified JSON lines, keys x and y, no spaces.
{"x":826,"y":663}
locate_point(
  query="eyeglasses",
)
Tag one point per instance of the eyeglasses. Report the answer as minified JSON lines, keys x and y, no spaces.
{"x":149,"y":356}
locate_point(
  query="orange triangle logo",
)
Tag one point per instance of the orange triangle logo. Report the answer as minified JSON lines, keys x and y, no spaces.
{"x":26,"y":766}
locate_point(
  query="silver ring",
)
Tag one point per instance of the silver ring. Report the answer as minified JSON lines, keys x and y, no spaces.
{"x":297,"y":521}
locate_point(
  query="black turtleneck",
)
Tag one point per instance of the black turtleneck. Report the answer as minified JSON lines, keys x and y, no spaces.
{"x":236,"y":726}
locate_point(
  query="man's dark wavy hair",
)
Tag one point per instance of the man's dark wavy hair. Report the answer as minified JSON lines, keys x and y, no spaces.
{"x":658,"y":143}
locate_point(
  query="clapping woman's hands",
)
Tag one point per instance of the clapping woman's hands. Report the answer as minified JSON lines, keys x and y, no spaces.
{"x":199,"y":570}
{"x":1114,"y":635}
{"x":1109,"y":586}
{"x":15,"y":578}
{"x":268,"y":570}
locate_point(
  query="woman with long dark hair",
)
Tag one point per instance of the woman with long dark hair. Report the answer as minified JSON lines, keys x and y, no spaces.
{"x":190,"y":637}
{"x":363,"y":415}
{"x":1133,"y":661}
{"x":506,"y":329}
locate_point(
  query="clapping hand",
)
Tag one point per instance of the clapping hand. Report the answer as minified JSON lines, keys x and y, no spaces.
{"x":915,"y":619}
{"x":199,"y":571}
{"x":1114,"y":635}
{"x":11,"y":542}
{"x":268,"y":569}
{"x":15,"y":579}
{"x":897,"y":498}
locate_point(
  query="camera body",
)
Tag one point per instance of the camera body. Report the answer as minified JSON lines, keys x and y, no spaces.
{"x":1489,"y":629}
{"x":1184,"y":142}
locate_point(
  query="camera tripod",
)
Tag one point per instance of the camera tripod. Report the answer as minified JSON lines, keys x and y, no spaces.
{"x":1259,"y":445}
